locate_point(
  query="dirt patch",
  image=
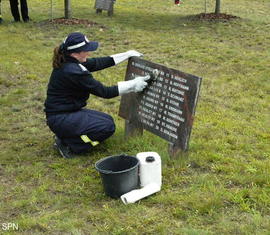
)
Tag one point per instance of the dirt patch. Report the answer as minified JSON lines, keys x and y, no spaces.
{"x":74,"y":21}
{"x":215,"y":17}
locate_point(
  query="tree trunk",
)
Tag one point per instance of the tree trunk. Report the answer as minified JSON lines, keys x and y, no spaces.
{"x":217,"y":10}
{"x":67,"y":9}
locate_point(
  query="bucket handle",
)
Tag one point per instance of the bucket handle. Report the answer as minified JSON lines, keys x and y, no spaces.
{"x":106,"y":172}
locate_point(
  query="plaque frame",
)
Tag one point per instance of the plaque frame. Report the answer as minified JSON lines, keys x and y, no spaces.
{"x":166,"y":107}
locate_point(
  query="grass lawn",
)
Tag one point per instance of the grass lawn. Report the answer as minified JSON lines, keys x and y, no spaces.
{"x":221,"y":186}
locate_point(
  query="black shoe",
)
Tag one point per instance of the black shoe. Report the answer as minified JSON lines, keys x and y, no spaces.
{"x":16,"y":21}
{"x":1,"y":20}
{"x":63,"y":149}
{"x":26,"y":20}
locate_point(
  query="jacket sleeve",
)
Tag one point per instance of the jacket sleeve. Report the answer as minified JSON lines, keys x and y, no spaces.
{"x":86,"y":82}
{"x":95,"y":64}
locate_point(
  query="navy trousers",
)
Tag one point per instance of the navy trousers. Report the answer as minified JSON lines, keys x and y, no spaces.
{"x":69,"y":127}
{"x":15,"y":11}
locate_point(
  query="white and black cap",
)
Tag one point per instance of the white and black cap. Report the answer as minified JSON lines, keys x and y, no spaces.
{"x":78,"y":42}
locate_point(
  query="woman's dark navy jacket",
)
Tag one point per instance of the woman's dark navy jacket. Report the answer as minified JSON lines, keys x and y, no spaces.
{"x":70,"y":86}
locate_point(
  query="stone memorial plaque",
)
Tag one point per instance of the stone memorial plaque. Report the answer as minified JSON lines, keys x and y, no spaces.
{"x":166,"y":107}
{"x":104,"y":4}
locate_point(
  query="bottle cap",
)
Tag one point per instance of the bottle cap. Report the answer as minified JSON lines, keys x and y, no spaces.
{"x":150,"y":159}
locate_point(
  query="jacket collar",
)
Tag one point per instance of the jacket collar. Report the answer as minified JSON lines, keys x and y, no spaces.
{"x":71,"y":59}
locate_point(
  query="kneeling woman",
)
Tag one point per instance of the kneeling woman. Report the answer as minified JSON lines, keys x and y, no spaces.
{"x":78,"y":129}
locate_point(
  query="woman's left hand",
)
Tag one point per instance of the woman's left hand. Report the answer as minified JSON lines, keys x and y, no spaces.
{"x":134,"y":53}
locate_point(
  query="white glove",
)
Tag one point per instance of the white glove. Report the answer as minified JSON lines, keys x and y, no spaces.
{"x":135,"y":85}
{"x":118,"y":58}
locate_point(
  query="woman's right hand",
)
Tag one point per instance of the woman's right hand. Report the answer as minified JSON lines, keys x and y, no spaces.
{"x":137,"y":84}
{"x":140,"y":83}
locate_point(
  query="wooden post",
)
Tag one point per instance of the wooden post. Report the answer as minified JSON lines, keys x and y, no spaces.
{"x":67,"y":9}
{"x":132,"y":129}
{"x":174,"y":150}
{"x":98,"y":11}
{"x":110,"y":11}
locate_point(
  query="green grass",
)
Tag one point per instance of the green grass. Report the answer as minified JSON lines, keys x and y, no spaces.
{"x":221,"y":186}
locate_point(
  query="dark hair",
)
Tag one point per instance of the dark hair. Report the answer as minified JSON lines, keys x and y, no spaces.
{"x":58,"y":58}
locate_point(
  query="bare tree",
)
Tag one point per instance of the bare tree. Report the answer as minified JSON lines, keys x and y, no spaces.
{"x":67,"y":9}
{"x":217,"y":9}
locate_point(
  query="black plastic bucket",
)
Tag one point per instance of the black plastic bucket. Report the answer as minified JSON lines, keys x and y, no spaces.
{"x":119,"y":174}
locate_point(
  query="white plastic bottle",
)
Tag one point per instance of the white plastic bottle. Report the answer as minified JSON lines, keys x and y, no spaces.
{"x":149,"y":168}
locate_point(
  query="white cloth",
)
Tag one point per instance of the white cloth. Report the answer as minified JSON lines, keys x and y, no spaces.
{"x":135,"y":85}
{"x":138,"y":194}
{"x":118,"y":58}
